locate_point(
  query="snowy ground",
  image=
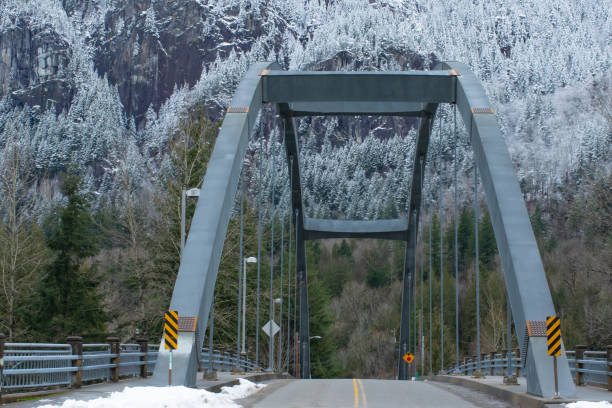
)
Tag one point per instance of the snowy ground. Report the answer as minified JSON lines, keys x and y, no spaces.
{"x":589,"y":404}
{"x":167,"y":397}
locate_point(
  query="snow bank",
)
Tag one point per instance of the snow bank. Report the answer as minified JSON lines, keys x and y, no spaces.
{"x":589,"y":404}
{"x":167,"y":397}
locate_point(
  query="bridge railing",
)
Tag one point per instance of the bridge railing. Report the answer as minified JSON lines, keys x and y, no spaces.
{"x":225,"y":361}
{"x":34,"y":366}
{"x":588,"y":367}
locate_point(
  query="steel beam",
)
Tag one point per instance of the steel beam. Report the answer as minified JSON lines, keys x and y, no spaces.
{"x":418,"y":171}
{"x":293,"y":162}
{"x":197,"y":274}
{"x":345,"y":93}
{"x":316,"y":228}
{"x":524,"y":275}
{"x":338,"y":86}
{"x":358,"y":108}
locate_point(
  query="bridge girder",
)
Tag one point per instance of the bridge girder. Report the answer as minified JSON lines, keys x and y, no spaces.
{"x":363,"y":93}
{"x":317,"y":228}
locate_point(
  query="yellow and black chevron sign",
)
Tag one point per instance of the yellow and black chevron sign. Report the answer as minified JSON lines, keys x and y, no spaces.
{"x":171,"y":329}
{"x":553,"y":334}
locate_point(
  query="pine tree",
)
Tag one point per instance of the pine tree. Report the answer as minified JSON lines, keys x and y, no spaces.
{"x":69,"y":303}
{"x":323,"y":350}
{"x":486,"y":239}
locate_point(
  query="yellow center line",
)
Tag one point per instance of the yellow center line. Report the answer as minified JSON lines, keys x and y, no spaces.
{"x":356,"y":393}
{"x":363,"y":394}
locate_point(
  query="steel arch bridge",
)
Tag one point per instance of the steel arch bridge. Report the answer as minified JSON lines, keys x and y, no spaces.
{"x":409,"y":93}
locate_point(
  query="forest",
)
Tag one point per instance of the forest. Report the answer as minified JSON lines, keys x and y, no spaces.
{"x":91,"y":173}
{"x":94,"y":267}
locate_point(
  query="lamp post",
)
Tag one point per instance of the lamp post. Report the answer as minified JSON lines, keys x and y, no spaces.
{"x":192,"y":192}
{"x":277,"y":301}
{"x":250,"y":259}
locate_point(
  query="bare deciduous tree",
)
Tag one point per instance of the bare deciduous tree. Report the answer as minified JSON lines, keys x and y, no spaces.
{"x":22,"y":252}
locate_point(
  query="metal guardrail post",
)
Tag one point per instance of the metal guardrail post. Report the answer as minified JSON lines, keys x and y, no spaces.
{"x":144,"y":348}
{"x":483,"y":356}
{"x":465,"y":366}
{"x":517,"y":367}
{"x":245,"y":361}
{"x":609,"y":366}
{"x":236,"y":362}
{"x":115,"y":348}
{"x":492,"y":363}
{"x":580,"y":356}
{"x":2,"y":340}
{"x":221,"y":360}
{"x":76,"y":343}
{"x":504,"y":363}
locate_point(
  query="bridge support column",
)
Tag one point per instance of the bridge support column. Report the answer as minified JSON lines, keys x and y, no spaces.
{"x":404,"y":341}
{"x":539,"y":368}
{"x":293,"y":164}
{"x":304,"y":312}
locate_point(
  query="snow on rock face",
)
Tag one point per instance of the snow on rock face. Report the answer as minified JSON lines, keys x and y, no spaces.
{"x":148,"y":62}
{"x":168,"y":397}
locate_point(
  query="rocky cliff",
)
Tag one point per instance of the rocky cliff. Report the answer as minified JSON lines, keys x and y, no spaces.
{"x":33,"y":66}
{"x":124,"y":73}
{"x":146,"y":48}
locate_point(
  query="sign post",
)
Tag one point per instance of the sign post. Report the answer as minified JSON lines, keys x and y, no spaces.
{"x":170,"y":337}
{"x":553,"y":335}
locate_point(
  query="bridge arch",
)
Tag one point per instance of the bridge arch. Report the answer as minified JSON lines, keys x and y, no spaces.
{"x":407,"y":93}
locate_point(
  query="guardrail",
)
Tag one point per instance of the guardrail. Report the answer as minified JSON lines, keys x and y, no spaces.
{"x":34,"y":366}
{"x":588,"y":367}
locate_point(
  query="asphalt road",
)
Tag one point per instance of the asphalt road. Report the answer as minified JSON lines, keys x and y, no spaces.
{"x":355,"y":393}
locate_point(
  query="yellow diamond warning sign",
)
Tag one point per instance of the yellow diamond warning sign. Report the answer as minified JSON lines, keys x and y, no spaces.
{"x":408,"y":357}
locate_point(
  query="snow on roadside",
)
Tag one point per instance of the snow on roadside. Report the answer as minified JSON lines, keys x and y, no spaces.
{"x":242,"y":390}
{"x":589,"y":404}
{"x":167,"y":397}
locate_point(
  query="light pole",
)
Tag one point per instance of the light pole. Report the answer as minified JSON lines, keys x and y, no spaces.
{"x":192,"y":192}
{"x":250,"y":259}
{"x":277,"y":301}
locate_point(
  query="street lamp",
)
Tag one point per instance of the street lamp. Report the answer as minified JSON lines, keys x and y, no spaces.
{"x":250,"y":259}
{"x":192,"y":192}
{"x":277,"y":301}
{"x":315,"y":337}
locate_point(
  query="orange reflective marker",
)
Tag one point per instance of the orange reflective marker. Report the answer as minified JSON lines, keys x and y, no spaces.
{"x":408,"y":357}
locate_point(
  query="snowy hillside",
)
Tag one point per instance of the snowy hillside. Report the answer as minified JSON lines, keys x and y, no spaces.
{"x":121,"y":74}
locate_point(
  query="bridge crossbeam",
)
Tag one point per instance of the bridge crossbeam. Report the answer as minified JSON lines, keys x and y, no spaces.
{"x":357,"y":108}
{"x":337,"y":86}
{"x":394,"y":229}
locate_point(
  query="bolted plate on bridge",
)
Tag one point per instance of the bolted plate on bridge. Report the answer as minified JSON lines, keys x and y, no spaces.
{"x":187,"y":323}
{"x":271,"y":326}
